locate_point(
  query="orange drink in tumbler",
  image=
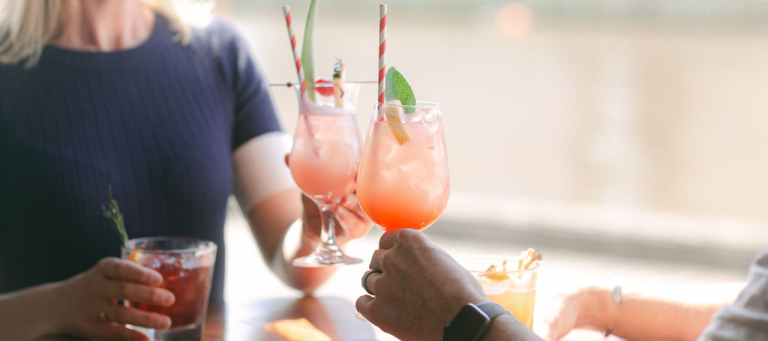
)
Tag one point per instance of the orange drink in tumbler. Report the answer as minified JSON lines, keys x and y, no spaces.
{"x":518,"y":302}
{"x":403,"y":178}
{"x":512,"y":288}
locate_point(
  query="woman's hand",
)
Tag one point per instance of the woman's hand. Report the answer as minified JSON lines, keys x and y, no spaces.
{"x":564,"y":314}
{"x":350,"y":220}
{"x":582,"y":307}
{"x":418,"y":287}
{"x":86,"y":303}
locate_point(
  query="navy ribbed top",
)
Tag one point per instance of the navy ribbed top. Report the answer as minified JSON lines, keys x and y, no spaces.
{"x":159,"y":122}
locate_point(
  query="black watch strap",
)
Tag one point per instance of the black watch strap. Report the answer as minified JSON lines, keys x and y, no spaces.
{"x":472,"y":322}
{"x":492,"y":309}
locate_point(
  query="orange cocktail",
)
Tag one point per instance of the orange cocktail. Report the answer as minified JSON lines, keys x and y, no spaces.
{"x":403,"y":178}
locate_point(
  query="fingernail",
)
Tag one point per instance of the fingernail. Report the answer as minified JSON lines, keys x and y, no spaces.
{"x":169,"y":299}
{"x":360,"y":317}
{"x":165,"y":323}
{"x":157,"y":279}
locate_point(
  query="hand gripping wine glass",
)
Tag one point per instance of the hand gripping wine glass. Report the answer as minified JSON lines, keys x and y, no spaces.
{"x":324,"y":161}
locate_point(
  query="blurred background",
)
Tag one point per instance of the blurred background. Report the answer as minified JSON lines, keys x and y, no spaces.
{"x":620,"y":137}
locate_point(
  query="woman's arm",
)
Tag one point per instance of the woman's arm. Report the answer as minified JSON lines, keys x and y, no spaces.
{"x":27,"y":314}
{"x":85,"y":305}
{"x":644,"y":313}
{"x":271,"y":221}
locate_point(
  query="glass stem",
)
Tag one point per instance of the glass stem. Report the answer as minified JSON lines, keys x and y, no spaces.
{"x":328,"y":230}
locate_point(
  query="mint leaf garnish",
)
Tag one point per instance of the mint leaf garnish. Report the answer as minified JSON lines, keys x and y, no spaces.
{"x":308,"y":51}
{"x":397,"y":87}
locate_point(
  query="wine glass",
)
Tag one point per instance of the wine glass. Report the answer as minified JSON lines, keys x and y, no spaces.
{"x":403,"y":179}
{"x":324,"y":161}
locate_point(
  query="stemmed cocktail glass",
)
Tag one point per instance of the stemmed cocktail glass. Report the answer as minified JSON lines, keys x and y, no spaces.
{"x":324,"y":161}
{"x":403,"y":177}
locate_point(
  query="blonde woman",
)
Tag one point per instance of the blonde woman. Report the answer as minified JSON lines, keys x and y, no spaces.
{"x":175,"y":117}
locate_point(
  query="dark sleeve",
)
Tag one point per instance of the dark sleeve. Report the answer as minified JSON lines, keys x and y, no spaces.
{"x":254,"y":112}
{"x":747,"y":317}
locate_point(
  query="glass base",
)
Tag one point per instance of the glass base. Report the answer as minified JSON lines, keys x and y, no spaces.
{"x":188,"y":333}
{"x":314,"y":260}
{"x":148,"y":332}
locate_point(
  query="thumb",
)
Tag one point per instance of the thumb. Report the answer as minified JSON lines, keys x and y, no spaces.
{"x":554,"y":326}
{"x":548,"y":330}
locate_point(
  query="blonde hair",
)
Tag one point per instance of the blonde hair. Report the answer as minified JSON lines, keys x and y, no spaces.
{"x":26,"y":25}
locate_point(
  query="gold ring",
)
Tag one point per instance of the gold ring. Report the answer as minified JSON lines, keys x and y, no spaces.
{"x":103,"y":313}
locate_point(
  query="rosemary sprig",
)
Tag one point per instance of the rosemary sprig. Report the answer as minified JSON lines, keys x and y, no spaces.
{"x":112,"y":212}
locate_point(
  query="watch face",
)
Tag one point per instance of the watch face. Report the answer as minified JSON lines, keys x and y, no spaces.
{"x":467,"y":325}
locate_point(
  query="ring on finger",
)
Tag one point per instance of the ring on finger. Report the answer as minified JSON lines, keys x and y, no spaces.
{"x":103,"y":313}
{"x":365,"y":280}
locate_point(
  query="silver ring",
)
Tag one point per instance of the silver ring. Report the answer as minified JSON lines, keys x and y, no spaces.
{"x":103,"y":313}
{"x":365,"y":280}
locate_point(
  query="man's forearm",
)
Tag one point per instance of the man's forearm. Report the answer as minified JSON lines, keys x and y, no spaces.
{"x":508,"y":328}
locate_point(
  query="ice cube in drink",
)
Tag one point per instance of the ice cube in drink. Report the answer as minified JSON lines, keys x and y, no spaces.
{"x":191,"y":288}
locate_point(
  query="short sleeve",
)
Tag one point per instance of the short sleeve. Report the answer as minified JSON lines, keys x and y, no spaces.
{"x":254,"y":112}
{"x":747,"y":318}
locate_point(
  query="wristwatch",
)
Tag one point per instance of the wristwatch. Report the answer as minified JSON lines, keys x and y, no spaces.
{"x":472,"y":322}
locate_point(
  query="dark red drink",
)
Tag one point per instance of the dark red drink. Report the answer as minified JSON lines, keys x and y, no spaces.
{"x":186,"y":265}
{"x":191,"y":288}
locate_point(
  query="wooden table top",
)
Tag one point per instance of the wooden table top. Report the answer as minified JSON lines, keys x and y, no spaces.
{"x":335,"y":317}
{"x":290,"y":319}
{"x":266,"y":320}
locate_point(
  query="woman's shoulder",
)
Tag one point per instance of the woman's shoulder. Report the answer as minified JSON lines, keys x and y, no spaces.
{"x":219,"y":35}
{"x":227,"y":48}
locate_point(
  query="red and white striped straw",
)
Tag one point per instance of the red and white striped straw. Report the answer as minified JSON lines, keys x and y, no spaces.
{"x":299,"y":69}
{"x":382,"y":50}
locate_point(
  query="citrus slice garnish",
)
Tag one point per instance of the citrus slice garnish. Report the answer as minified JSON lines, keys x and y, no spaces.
{"x":527,"y":259}
{"x":134,"y":257}
{"x":497,"y":274}
{"x":394,"y":114}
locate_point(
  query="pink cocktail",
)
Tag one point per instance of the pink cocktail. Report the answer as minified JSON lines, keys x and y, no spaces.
{"x":324,"y":161}
{"x":325,"y":156}
{"x":403,"y":179}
